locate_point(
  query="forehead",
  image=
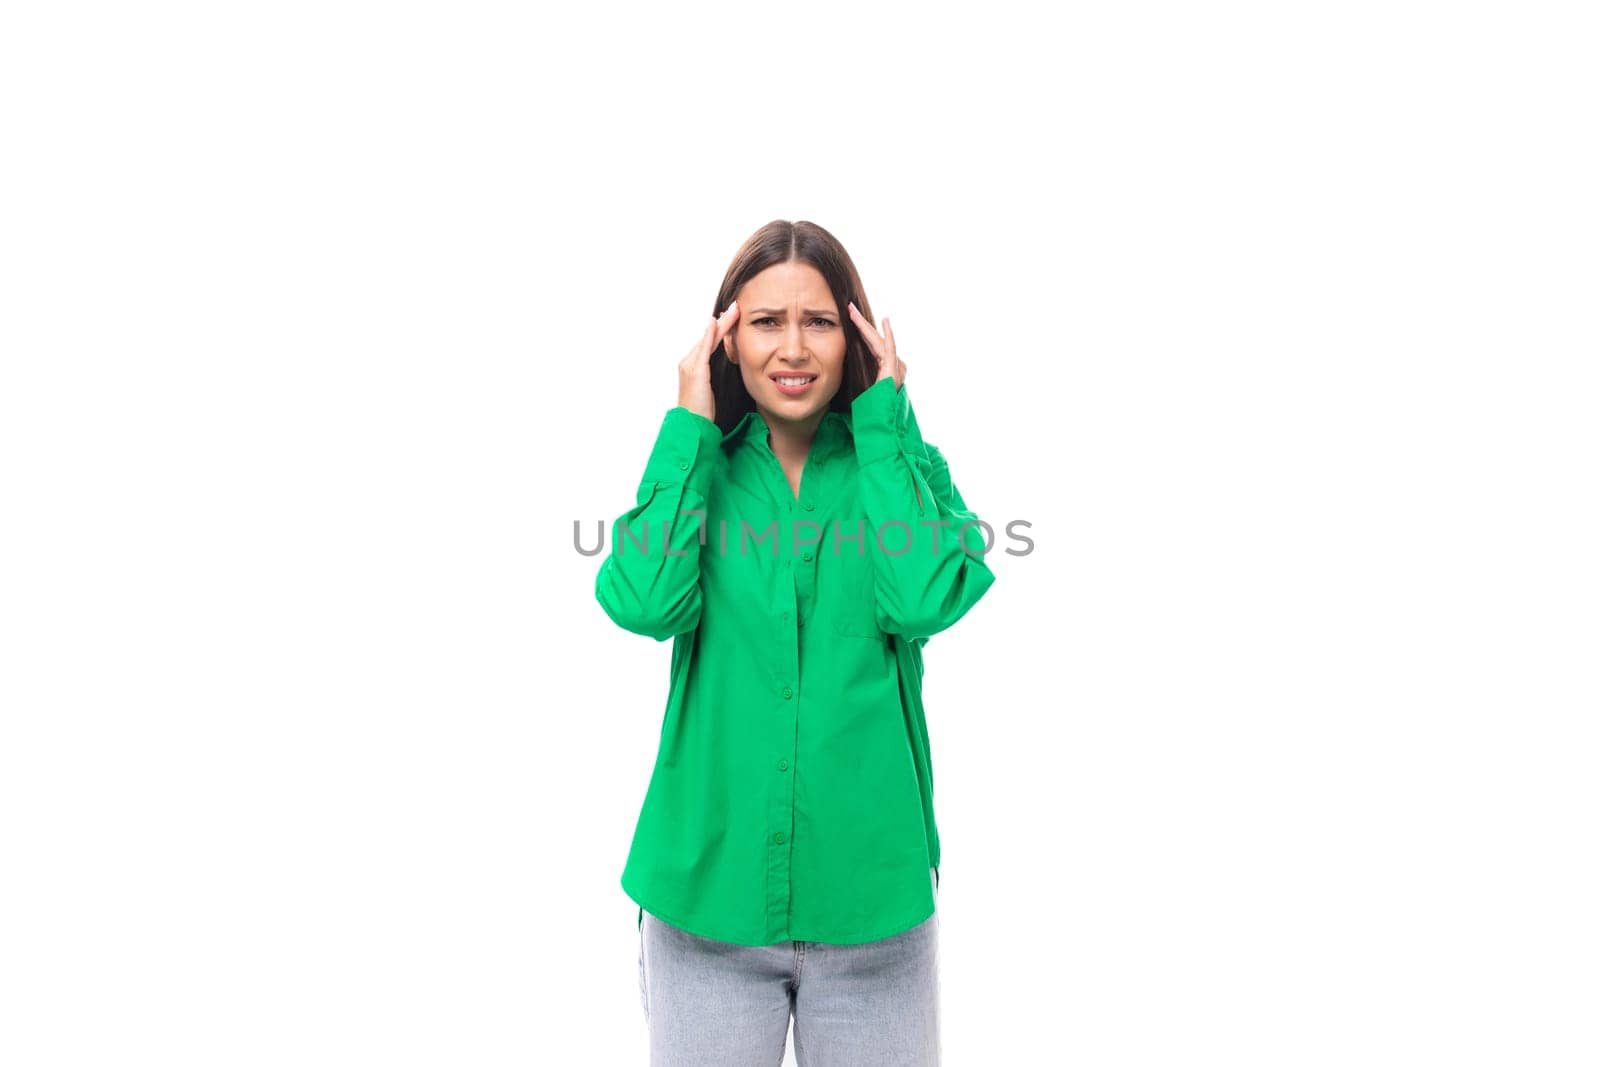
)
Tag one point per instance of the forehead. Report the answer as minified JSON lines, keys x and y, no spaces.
{"x":788,"y":285}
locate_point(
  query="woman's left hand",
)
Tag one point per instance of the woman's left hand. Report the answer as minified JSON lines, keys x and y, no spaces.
{"x":890,"y":365}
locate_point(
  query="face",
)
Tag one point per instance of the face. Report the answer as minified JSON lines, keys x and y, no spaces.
{"x":789,"y":344}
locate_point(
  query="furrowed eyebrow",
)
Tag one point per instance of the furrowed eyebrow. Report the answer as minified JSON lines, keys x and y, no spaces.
{"x":780,"y":311}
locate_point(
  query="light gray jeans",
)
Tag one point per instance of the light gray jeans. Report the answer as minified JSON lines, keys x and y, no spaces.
{"x":710,"y":1003}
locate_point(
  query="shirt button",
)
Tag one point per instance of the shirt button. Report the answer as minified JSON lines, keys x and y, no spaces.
{"x":806,"y":557}
{"x":777,"y":838}
{"x":783,"y":765}
{"x":809,"y":506}
{"x":799,"y":621}
{"x":683,"y":464}
{"x":787,"y":692}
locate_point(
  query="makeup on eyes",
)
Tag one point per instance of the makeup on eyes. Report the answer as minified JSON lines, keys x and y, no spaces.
{"x":768,"y":318}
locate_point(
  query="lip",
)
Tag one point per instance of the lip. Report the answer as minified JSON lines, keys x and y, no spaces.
{"x":791,"y":390}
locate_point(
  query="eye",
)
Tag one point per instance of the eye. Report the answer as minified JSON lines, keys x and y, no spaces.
{"x":769,"y":318}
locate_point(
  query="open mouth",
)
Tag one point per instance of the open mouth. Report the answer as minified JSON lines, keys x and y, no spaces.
{"x":793,"y":384}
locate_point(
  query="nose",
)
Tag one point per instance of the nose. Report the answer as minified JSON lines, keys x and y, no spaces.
{"x":794,"y":349}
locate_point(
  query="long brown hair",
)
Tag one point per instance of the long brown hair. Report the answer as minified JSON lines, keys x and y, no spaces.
{"x":782,"y":241}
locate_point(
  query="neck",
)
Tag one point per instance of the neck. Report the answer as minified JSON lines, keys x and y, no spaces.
{"x":789,"y":439}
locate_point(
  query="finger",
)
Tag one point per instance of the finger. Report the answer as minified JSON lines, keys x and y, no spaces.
{"x":888,"y":336}
{"x":694,"y":350}
{"x":724,"y":326}
{"x":862,"y":322}
{"x":868,"y":333}
{"x":726,"y":321}
{"x":702,"y":348}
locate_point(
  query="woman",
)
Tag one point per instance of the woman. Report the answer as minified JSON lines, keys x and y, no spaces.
{"x":799,"y":542}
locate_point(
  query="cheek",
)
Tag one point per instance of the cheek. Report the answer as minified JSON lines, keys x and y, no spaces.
{"x":836,"y":353}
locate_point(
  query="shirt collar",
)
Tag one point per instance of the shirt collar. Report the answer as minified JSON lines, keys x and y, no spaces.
{"x":833,"y":432}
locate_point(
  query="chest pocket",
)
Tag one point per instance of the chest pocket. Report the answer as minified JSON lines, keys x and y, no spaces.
{"x":848,"y":581}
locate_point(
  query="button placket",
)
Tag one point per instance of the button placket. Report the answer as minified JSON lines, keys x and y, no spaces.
{"x":797,"y":579}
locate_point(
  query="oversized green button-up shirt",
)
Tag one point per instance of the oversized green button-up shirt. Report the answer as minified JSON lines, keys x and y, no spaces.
{"x":792,"y":795}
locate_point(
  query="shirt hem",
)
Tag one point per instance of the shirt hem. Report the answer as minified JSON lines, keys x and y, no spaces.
{"x":899,"y":927}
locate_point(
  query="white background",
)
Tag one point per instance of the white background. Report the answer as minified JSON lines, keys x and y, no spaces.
{"x":322,"y":323}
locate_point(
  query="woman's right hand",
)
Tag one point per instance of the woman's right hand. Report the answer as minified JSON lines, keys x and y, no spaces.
{"x":694,"y":371}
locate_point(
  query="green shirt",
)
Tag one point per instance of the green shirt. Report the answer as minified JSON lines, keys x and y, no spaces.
{"x":792,"y":794}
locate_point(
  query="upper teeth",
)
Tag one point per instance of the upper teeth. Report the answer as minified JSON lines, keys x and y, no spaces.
{"x":795,"y":381}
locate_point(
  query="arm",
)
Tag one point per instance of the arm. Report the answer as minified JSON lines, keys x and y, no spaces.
{"x":905,"y":482}
{"x":650,"y":582}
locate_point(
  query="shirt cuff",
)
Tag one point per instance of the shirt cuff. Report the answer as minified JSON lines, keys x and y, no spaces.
{"x":686,"y":450}
{"x":877,"y":420}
